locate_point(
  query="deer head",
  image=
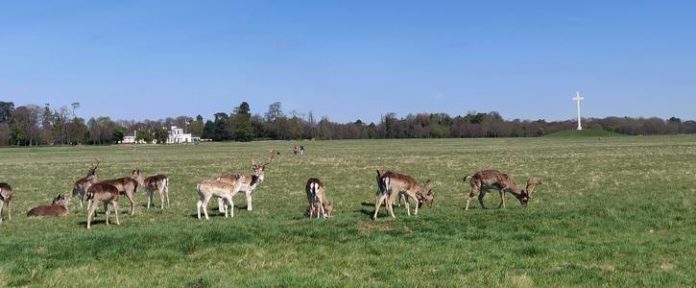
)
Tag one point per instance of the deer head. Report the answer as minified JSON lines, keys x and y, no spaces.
{"x":259,"y":167}
{"x":521,"y":196}
{"x":60,"y":200}
{"x":425,"y":195}
{"x":138,"y":177}
{"x":93,"y":170}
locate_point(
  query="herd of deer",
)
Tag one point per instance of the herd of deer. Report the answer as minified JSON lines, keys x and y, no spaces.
{"x":391,"y":186}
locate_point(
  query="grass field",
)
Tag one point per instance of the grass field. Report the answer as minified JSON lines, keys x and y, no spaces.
{"x":615,"y":211}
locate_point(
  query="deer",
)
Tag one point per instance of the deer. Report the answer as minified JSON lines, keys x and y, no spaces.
{"x":58,"y":208}
{"x":102,"y":193}
{"x":316,"y":196}
{"x":6,"y":197}
{"x":159,"y":183}
{"x":81,"y":185}
{"x":251,"y":181}
{"x":494,"y":178}
{"x":220,"y":189}
{"x":531,"y":185}
{"x":126,"y":186}
{"x":392,"y":184}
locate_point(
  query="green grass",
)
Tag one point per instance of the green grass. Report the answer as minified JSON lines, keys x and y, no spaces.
{"x":588,"y":132}
{"x":615,"y":212}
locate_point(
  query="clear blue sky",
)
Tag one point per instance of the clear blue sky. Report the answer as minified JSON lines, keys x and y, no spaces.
{"x":351,"y":59}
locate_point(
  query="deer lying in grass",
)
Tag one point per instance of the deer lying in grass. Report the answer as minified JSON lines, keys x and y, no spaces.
{"x":531,"y":185}
{"x":58,"y":208}
{"x":220,"y":189}
{"x":126,"y":186}
{"x":82,"y":184}
{"x":251,"y":181}
{"x":494,"y":178}
{"x":392,"y":184}
{"x":6,"y":197}
{"x":159,"y":183}
{"x":316,"y":196}
{"x":102,"y":193}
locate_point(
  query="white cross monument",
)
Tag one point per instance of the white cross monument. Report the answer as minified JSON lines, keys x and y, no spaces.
{"x":578,"y":98}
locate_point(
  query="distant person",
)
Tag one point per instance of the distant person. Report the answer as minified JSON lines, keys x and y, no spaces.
{"x":301,"y":150}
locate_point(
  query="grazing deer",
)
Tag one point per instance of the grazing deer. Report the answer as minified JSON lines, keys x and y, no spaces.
{"x":58,"y":208}
{"x":219,"y":189}
{"x":159,"y":183}
{"x":6,"y":197}
{"x":102,"y":193}
{"x":392,"y":184}
{"x":126,"y":186}
{"x":531,"y":185}
{"x":494,"y":178}
{"x":251,"y":181}
{"x":316,"y":196}
{"x":82,"y":184}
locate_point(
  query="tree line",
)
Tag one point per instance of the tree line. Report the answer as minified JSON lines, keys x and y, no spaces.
{"x":31,"y":125}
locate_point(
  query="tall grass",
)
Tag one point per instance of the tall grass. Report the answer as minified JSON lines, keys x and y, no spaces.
{"x":612,"y":212}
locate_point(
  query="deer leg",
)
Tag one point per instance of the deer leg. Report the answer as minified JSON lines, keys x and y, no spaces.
{"x":502,"y":198}
{"x":2,"y":203}
{"x":166,"y":192}
{"x":322,"y":212}
{"x":221,"y":205}
{"x":161,"y":194}
{"x":82,"y":198}
{"x":149,"y":198}
{"x":91,"y":208}
{"x":472,"y":194}
{"x":9,"y":209}
{"x":248,"y":198}
{"x":106,"y":208}
{"x":390,"y":202}
{"x":204,"y":205}
{"x":482,"y":193}
{"x":199,"y":204}
{"x":115,"y":204}
{"x":131,"y":198}
{"x":230,"y":204}
{"x":415,"y":199}
{"x":378,"y":202}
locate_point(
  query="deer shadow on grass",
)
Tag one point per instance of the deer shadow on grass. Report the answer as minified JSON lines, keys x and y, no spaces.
{"x":216,"y":213}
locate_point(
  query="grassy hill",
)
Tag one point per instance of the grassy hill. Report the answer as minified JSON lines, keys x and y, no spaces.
{"x":599,"y":219}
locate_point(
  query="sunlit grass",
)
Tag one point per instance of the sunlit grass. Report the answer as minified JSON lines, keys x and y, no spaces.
{"x":615,"y":211}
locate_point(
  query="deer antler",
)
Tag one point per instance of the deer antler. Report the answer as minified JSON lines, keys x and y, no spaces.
{"x":270,"y":157}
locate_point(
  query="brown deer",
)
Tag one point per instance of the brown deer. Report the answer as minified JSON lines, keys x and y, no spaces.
{"x":6,"y":197}
{"x":159,"y":183}
{"x":494,"y":178}
{"x":81,"y":185}
{"x":531,"y":185}
{"x":102,"y":193}
{"x":219,"y":189}
{"x":58,"y":208}
{"x":251,"y":181}
{"x":126,"y":186}
{"x":316,"y":196}
{"x":392,"y":184}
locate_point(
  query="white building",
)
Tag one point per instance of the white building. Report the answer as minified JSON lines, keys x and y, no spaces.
{"x":130,"y":139}
{"x":176,"y":135}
